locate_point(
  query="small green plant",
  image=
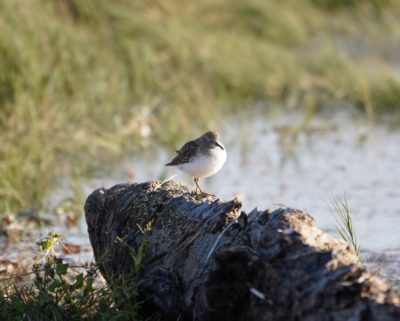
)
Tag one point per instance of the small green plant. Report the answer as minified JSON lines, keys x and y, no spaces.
{"x":125,"y":292}
{"x":61,"y":291}
{"x":344,"y":222}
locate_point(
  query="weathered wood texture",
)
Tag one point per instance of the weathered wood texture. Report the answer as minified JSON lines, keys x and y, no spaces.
{"x":207,"y":260}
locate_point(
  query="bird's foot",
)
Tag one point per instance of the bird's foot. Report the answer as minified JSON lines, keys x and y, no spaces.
{"x":206,"y":194}
{"x":200,"y":193}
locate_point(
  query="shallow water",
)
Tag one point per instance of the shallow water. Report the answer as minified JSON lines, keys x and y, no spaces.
{"x":332,"y":158}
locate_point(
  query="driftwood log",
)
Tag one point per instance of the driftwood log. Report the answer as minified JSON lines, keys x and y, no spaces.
{"x":208,"y":260}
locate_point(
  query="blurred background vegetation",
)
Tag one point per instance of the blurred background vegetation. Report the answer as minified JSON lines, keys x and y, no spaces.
{"x":84,"y":82}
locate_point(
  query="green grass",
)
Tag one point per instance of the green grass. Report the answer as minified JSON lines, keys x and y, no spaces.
{"x":79,"y":80}
{"x":344,"y":223}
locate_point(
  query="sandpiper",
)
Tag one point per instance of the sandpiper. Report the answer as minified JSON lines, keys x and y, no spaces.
{"x":201,"y":157}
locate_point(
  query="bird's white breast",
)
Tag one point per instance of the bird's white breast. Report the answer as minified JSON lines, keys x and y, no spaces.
{"x":205,"y":165}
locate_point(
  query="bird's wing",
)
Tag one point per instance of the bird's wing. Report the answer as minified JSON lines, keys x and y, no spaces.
{"x":185,"y":154}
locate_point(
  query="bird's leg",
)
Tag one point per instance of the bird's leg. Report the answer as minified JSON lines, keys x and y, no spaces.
{"x":198,"y":188}
{"x":196,"y":182}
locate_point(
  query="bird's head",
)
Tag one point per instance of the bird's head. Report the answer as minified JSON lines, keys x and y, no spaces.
{"x":212,"y":139}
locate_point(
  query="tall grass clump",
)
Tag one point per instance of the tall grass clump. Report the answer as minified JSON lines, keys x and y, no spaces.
{"x":84,"y":82}
{"x":344,"y":223}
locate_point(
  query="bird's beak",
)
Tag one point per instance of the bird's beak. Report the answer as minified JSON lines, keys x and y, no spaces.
{"x":219,"y":145}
